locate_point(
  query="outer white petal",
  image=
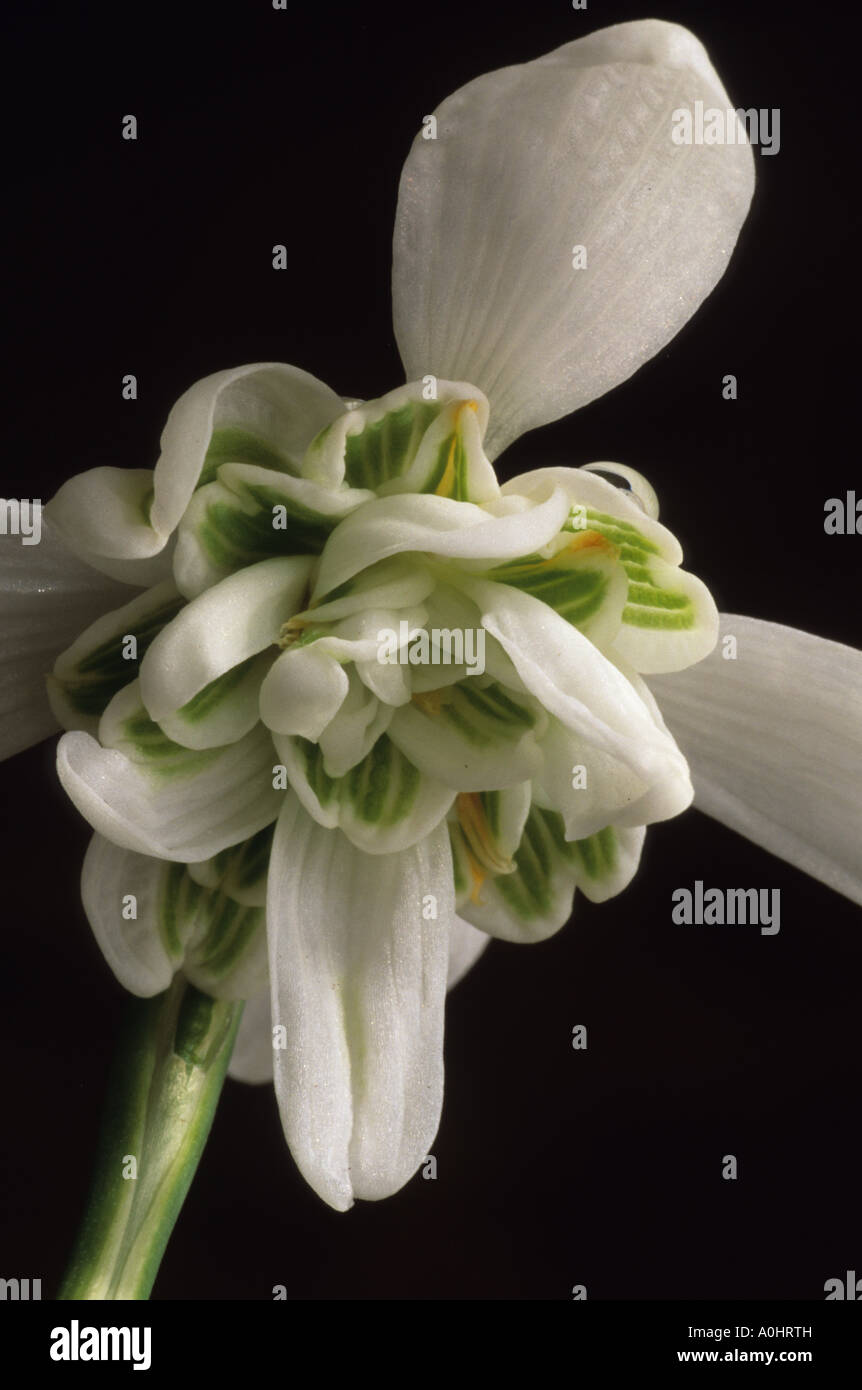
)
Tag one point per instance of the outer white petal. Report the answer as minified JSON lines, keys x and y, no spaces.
{"x":774,"y":740}
{"x":359,"y":982}
{"x":47,"y":596}
{"x":574,"y":149}
{"x":251,"y":1060}
{"x":127,"y":515}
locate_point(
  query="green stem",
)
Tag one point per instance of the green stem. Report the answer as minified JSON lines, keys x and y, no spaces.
{"x":163,"y":1091}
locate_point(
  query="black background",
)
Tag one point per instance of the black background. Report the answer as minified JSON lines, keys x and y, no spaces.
{"x":555,"y":1167}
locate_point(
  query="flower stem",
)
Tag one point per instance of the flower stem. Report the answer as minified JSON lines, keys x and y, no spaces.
{"x":163,"y":1091}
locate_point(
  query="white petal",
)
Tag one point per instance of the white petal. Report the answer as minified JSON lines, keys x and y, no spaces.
{"x":250,"y":513}
{"x":585,"y":489}
{"x":474,"y":735}
{"x":102,"y":515}
{"x":401,"y":582}
{"x":303,"y":691}
{"x":111,"y":515}
{"x":251,"y":1059}
{"x":307,"y":685}
{"x":390,"y":684}
{"x":574,"y":149}
{"x":89,"y":673}
{"x":575,"y":682}
{"x":212,"y":636}
{"x":239,"y":872}
{"x":668,"y":617}
{"x":47,"y":596}
{"x":536,"y":900}
{"x":466,"y":944}
{"x":281,"y":406}
{"x":438,"y":526}
{"x":607,"y":791}
{"x":403,"y":442}
{"x":227,"y":957}
{"x":355,"y":729}
{"x":220,"y":944}
{"x":359,"y":984}
{"x":150,"y":795}
{"x":774,"y":739}
{"x":383,"y":804}
{"x":134,"y":947}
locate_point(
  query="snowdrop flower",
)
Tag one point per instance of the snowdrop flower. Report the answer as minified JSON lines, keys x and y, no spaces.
{"x":334,"y":836}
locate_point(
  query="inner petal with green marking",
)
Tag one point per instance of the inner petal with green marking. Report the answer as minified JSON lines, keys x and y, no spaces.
{"x":424,"y":437}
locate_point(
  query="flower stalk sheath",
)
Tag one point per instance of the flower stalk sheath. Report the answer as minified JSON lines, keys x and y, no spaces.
{"x":164,"y":1088}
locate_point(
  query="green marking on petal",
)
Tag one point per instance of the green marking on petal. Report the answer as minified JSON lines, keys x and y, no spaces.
{"x":621,"y":533}
{"x":460,"y":864}
{"x":375,"y":775}
{"x":145,"y":742}
{"x":251,"y":860}
{"x":208,"y":699}
{"x":484,"y":715}
{"x":168,"y":916}
{"x":652,"y":607}
{"x":491,"y":804}
{"x":233,"y":445}
{"x":449,"y":470}
{"x":179,"y":902}
{"x":244,"y":926}
{"x":408,"y":786}
{"x":385,"y":448}
{"x":90,"y":683}
{"x":544,"y":854}
{"x":528,"y":890}
{"x":323,"y":786}
{"x":403,"y":442}
{"x":381,"y":789}
{"x":233,"y":537}
{"x":577,"y":580}
{"x":649,"y":604}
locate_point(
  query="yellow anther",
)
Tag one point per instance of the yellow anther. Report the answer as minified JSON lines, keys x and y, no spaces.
{"x":477,"y":833}
{"x":591,"y":540}
{"x":446,"y":484}
{"x":290,"y":632}
{"x":432,"y":701}
{"x":478,"y":876}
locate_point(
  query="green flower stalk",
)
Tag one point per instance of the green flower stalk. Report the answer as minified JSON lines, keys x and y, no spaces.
{"x":167,"y":1078}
